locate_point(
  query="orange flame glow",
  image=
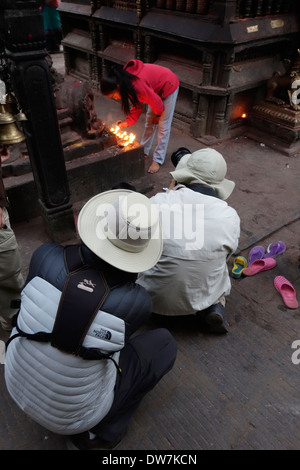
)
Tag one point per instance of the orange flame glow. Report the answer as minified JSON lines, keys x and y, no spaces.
{"x":123,"y":136}
{"x":244,"y":115}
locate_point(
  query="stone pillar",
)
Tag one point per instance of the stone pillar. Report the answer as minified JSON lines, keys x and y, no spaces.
{"x":23,"y":37}
{"x":199,"y":125}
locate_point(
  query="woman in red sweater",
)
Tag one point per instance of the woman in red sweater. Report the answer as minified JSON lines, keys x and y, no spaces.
{"x":138,"y":83}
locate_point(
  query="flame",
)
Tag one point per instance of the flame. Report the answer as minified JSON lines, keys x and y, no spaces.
{"x":244,"y":115}
{"x":123,"y":136}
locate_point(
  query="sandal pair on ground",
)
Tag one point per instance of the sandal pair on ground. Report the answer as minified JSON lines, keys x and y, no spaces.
{"x":273,"y":250}
{"x":259,"y":261}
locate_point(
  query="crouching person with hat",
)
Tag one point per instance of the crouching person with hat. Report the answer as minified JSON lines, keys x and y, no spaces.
{"x":72,"y":364}
{"x":200,"y":232}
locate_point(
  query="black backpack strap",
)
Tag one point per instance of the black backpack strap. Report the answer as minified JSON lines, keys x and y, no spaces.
{"x":84,"y":292}
{"x":73,"y":257}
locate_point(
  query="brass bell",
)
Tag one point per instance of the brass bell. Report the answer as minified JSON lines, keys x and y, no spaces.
{"x":9,"y":132}
{"x":11,"y":105}
{"x":21,"y":116}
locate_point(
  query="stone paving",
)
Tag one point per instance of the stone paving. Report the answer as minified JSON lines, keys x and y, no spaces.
{"x":234,"y":392}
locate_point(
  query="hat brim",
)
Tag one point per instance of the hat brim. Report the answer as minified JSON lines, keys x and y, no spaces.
{"x":184,"y":176}
{"x":88,"y":228}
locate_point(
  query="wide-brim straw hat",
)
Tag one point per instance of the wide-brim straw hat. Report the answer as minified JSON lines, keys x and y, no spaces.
{"x":122,"y":227}
{"x":205,"y":166}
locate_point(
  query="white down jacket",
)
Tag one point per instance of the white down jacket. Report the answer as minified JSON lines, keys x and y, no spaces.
{"x":64,"y":393}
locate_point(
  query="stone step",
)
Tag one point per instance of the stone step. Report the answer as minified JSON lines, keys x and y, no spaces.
{"x":62,"y":113}
{"x":70,"y":138}
{"x":65,"y":124}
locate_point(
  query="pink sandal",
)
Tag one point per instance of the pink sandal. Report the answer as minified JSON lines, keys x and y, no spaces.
{"x":287,"y":291}
{"x":259,"y":265}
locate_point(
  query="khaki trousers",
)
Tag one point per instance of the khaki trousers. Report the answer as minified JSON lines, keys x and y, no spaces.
{"x":11,"y":279}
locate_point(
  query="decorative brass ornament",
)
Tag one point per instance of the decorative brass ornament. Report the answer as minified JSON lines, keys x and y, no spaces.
{"x":9,"y":132}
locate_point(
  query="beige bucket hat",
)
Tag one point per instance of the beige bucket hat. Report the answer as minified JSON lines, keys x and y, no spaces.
{"x":122,"y":227}
{"x":205,"y":166}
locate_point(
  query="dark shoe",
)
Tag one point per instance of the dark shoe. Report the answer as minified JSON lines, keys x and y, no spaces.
{"x":215,"y":319}
{"x":82,"y":442}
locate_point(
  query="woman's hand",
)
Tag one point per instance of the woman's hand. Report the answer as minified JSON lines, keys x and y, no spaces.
{"x":121,"y":124}
{"x":155,"y":119}
{"x":172,"y":184}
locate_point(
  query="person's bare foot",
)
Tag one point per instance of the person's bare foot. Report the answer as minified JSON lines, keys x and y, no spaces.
{"x":154,"y":167}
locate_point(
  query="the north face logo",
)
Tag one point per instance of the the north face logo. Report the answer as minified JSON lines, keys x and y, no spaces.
{"x":86,"y":285}
{"x":102,"y":333}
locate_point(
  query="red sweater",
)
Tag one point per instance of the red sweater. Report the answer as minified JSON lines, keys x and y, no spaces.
{"x":155,"y":83}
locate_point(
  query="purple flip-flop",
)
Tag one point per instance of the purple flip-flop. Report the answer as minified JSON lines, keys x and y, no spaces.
{"x":257,"y":252}
{"x":275,"y":249}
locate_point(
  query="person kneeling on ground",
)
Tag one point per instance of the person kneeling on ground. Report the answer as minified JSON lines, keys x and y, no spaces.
{"x":89,"y":376}
{"x":200,"y":233}
{"x":11,"y":278}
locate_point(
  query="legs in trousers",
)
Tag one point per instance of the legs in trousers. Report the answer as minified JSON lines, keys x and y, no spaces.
{"x":163,"y":129}
{"x":11,"y":279}
{"x":144,"y":361}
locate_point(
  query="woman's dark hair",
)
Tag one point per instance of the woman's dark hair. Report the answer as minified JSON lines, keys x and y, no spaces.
{"x":120,"y":77}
